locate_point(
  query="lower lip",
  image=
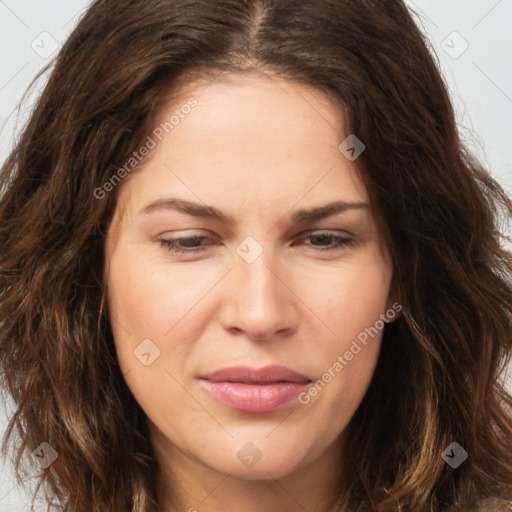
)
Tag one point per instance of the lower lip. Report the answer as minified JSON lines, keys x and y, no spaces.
{"x":254,"y":398}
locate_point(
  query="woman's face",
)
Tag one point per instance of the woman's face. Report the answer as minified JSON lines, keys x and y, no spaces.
{"x":264,"y":283}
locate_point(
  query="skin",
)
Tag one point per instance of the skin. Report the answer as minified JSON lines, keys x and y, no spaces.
{"x":258,"y":149}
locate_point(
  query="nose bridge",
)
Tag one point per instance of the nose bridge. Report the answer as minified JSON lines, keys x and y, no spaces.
{"x":259,"y":303}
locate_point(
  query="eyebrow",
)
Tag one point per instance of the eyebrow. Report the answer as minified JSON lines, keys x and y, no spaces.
{"x":209,"y":212}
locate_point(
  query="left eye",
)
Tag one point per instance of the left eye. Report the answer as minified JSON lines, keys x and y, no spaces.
{"x":340,"y":241}
{"x":190,"y":244}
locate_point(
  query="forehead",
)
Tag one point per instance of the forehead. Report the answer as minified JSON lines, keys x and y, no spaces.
{"x":251,"y":137}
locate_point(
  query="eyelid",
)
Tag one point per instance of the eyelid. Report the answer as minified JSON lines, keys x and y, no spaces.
{"x":343,"y":240}
{"x":209,"y":234}
{"x":321,"y":230}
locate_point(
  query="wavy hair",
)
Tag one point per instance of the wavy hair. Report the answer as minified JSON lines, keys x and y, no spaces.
{"x":438,"y":377}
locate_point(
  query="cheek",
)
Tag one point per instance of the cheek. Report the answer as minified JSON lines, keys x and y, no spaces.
{"x":141,"y":306}
{"x":347,"y":301}
{"x":145,"y":297}
{"x":349,"y":305}
{"x":150,"y":300}
{"x":144,"y":306}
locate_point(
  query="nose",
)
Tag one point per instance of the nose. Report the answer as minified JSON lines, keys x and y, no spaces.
{"x":259,"y":302}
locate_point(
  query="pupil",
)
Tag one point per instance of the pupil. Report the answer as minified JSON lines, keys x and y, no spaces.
{"x":324,"y":238}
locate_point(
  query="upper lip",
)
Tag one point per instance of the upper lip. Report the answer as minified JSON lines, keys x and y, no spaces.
{"x":246,"y":374}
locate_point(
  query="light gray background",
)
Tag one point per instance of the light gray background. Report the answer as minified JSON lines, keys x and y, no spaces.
{"x":479,"y":76}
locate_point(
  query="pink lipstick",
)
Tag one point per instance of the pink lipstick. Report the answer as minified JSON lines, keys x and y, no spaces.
{"x":255,"y":390}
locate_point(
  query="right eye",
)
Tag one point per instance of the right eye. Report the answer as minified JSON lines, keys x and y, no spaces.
{"x":184,"y":244}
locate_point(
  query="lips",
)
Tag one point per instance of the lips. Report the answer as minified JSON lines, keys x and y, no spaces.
{"x":255,"y":390}
{"x":248,"y":375}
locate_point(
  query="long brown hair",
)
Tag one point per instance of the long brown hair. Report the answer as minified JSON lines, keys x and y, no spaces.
{"x":437,"y":379}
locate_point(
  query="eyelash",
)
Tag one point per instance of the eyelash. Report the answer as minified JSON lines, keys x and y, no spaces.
{"x":171,"y":243}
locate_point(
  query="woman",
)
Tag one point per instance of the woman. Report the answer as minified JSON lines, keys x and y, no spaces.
{"x":247,"y":264}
